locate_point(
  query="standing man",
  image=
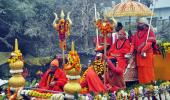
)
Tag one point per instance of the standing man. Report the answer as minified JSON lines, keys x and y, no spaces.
{"x":144,"y":51}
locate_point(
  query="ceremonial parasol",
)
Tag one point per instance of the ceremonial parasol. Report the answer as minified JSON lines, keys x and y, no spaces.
{"x":129,"y":8}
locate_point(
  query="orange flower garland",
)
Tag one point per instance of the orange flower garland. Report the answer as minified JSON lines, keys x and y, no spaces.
{"x":104,"y":26}
{"x":50,"y":79}
{"x":63,"y":26}
{"x":74,"y":61}
{"x":63,"y":29}
{"x":15,"y":57}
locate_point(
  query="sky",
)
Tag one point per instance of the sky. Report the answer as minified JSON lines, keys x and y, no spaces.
{"x":162,"y":3}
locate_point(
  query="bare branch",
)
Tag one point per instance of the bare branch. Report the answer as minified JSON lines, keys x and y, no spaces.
{"x":6,"y":43}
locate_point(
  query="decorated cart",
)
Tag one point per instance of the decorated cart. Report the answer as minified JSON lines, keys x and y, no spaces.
{"x":17,"y":90}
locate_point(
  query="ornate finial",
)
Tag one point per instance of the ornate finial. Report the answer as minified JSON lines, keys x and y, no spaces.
{"x":72,"y":46}
{"x":16,"y":45}
{"x":68,"y":18}
{"x":56,"y":17}
{"x":98,"y":15}
{"x":114,"y":20}
{"x":62,"y":14}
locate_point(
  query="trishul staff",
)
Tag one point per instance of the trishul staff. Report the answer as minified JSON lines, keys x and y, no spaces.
{"x":62,"y":26}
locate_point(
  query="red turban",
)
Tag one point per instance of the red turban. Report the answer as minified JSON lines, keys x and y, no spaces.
{"x":54,"y":63}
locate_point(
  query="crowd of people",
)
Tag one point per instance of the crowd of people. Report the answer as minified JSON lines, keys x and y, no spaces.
{"x":119,"y":49}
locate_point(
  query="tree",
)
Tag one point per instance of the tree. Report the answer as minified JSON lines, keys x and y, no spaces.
{"x":31,"y":22}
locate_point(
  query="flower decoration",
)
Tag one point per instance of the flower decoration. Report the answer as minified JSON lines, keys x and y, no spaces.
{"x":62,"y":26}
{"x":73,"y":60}
{"x":16,"y":54}
{"x":63,"y":29}
{"x":98,"y":66}
{"x":104,"y":26}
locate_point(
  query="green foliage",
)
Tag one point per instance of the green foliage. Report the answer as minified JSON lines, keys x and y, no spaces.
{"x":76,"y":96}
{"x":31,"y":22}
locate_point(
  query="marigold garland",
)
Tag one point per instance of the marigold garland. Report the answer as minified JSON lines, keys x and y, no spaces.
{"x":15,"y":56}
{"x":98,"y":66}
{"x":74,"y":61}
{"x":50,"y":79}
{"x":63,"y":29}
{"x":104,"y":26}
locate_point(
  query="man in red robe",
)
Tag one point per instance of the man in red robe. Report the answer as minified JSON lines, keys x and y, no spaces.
{"x":54,"y":78}
{"x":91,"y":79}
{"x":144,"y":51}
{"x":117,"y":62}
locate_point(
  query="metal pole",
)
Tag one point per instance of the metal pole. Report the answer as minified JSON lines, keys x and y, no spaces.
{"x":63,"y":54}
{"x":129,"y":22}
{"x":150,"y":22}
{"x":97,"y":32}
{"x":105,"y":56}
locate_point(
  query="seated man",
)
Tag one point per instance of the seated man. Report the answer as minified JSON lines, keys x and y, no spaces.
{"x":117,"y":62}
{"x":54,"y":78}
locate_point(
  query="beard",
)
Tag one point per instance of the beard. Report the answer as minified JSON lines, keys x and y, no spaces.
{"x":140,"y":27}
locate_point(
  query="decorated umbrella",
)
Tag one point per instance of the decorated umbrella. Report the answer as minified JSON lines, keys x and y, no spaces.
{"x":129,"y":8}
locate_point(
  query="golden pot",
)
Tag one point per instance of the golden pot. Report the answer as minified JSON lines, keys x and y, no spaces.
{"x":16,"y":65}
{"x":17,"y":80}
{"x":72,"y":72}
{"x":72,"y":86}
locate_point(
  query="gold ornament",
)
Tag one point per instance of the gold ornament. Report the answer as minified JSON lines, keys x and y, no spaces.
{"x":72,"y":68}
{"x":16,"y":81}
{"x":16,"y":63}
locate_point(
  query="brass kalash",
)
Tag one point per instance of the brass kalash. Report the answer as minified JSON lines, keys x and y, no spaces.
{"x":72,"y":69}
{"x":16,"y":64}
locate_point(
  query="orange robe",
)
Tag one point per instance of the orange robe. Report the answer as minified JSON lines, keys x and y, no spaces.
{"x":59,"y":77}
{"x":144,"y":64}
{"x":114,"y":76}
{"x":93,"y":82}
